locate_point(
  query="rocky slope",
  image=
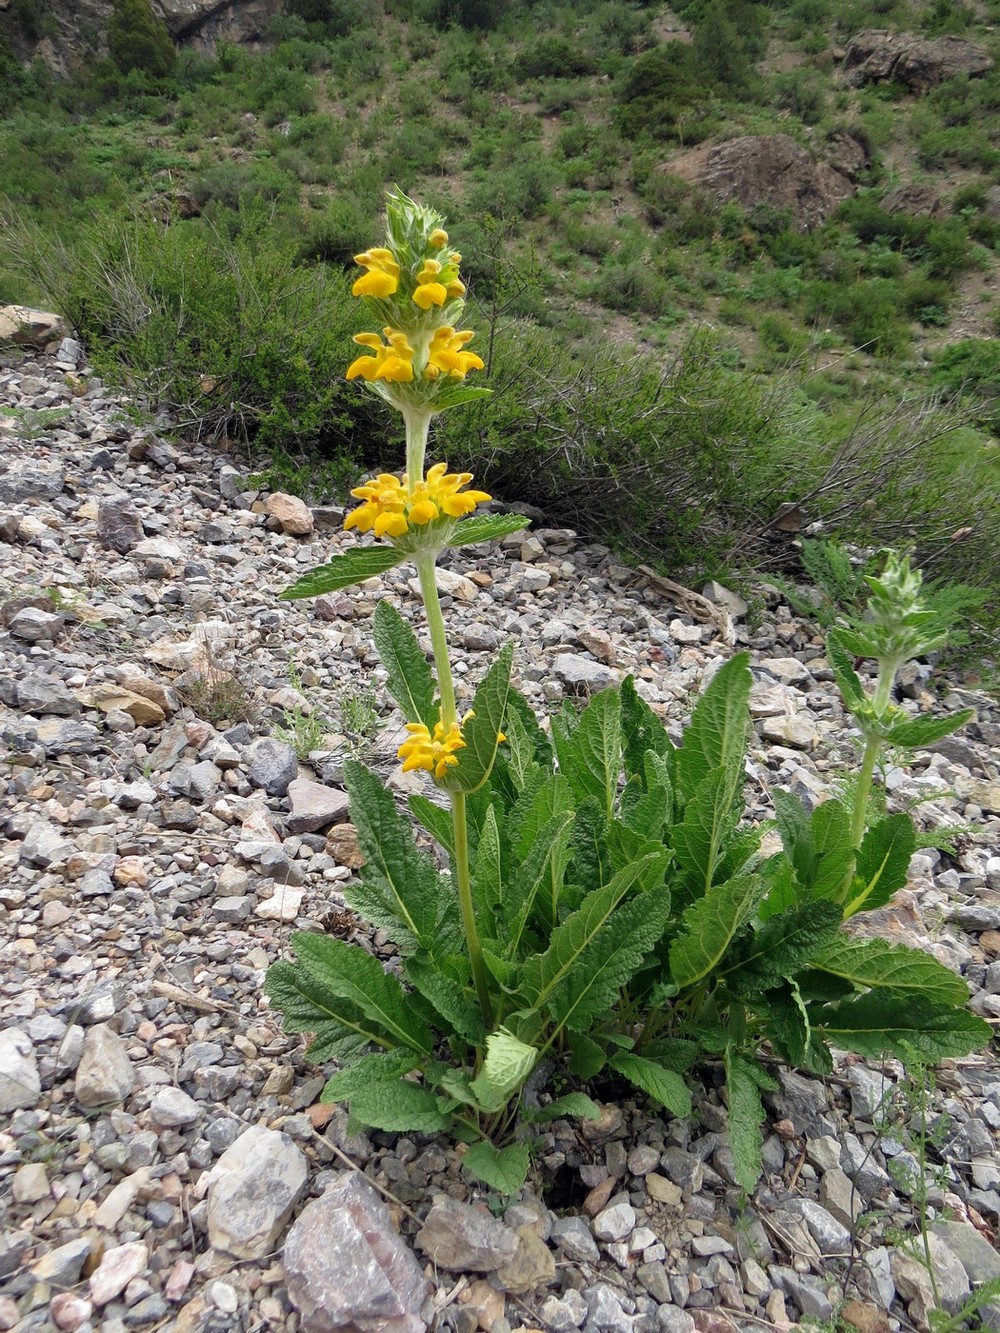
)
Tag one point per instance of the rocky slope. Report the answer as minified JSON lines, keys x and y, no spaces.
{"x":164,"y":1161}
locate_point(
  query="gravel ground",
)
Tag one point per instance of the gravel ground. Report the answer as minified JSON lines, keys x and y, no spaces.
{"x":165,"y":1163}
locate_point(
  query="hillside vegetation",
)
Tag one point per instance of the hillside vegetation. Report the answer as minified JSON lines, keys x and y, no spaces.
{"x":730,"y":376}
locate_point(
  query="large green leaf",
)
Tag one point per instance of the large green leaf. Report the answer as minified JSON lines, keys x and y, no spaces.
{"x":454,"y":1003}
{"x":586,"y":1057}
{"x":435,"y":819}
{"x":701,"y":838}
{"x":709,"y":926}
{"x":537,"y":881}
{"x":883,"y":863}
{"x":783,"y":944}
{"x":591,"y":758}
{"x":642,"y":730}
{"x":543,"y":973}
{"x":522,"y":761}
{"x":482,"y":731}
{"x":410,"y":681}
{"x":842,"y":664}
{"x":574,"y":1104}
{"x":364,"y":562}
{"x":819,"y":846}
{"x":746,"y":1114}
{"x":377,"y":1067}
{"x":909,"y":1027}
{"x":716,"y":736}
{"x":590,"y":865}
{"x":892,"y":967}
{"x":487,"y":873}
{"x":400,"y":889}
{"x":340,"y":1028}
{"x":919,"y":732}
{"x":350,"y":973}
{"x":508,"y":1063}
{"x":535,"y":807}
{"x":663,"y":1085}
{"x":398,"y":1107}
{"x":503,"y":1169}
{"x":486,"y":528}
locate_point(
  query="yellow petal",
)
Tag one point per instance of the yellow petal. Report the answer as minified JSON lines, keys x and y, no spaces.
{"x":424,"y":511}
{"x":430,"y":293}
{"x":365,"y":366}
{"x":390,"y":525}
{"x":438,"y":238}
{"x":375,"y":283}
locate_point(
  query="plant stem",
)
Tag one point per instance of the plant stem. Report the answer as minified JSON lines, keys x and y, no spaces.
{"x":418,"y":422}
{"x":425,"y":562}
{"x":873,"y":745}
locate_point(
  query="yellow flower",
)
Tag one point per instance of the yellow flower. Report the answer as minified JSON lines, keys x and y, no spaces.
{"x":382,"y":278}
{"x":393,"y":360}
{"x":429,"y":291}
{"x":438,"y":238}
{"x":391,"y":506}
{"x":434,"y":752}
{"x":446,"y":355}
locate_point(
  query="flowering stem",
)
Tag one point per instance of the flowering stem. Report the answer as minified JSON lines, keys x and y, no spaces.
{"x":425,"y":562}
{"x":873,"y":747}
{"x":418,"y":422}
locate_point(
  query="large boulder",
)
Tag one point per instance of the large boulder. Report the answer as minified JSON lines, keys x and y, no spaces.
{"x":767,"y":169}
{"x":31,"y":328}
{"x":876,"y":56}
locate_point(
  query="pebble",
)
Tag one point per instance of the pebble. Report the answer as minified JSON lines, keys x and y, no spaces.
{"x":158,"y":856}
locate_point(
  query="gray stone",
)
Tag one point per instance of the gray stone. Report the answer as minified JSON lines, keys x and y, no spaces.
{"x":314,"y":806}
{"x":839,"y":1196}
{"x":105,"y":1074}
{"x":233,"y":909}
{"x":171,"y":1107}
{"x":119,"y":527}
{"x":604,"y":1309}
{"x":971,"y":1248}
{"x":33,"y":624}
{"x":252,"y":1190}
{"x":561,"y":1314}
{"x":134,"y":794}
{"x":655,"y":1280}
{"x":573,"y":1237}
{"x":463,"y":1239}
{"x":100,"y":1004}
{"x":830,"y":1235}
{"x":30,"y":481}
{"x":117,"y":1269}
{"x":532,"y":1266}
{"x":869,"y":1091}
{"x":809,"y":1293}
{"x":44,"y":846}
{"x":789,"y":670}
{"x":273,"y":766}
{"x":913,"y":1281}
{"x":582,"y":675}
{"x":20,"y":1086}
{"x":726,"y":598}
{"x":672,"y":1319}
{"x":347,"y":1269}
{"x":62,"y":1266}
{"x":615,"y":1222}
{"x":203,"y":780}
{"x":46,"y":694}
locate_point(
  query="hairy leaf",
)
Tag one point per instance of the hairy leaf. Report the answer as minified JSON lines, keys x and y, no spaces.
{"x":586,"y":1057}
{"x":746,"y":1114}
{"x":398,"y":1107}
{"x":340,"y":1028}
{"x":503,"y":1169}
{"x":700,"y":839}
{"x":482,"y":731}
{"x":522,"y":762}
{"x":508,"y":1063}
{"x":535,"y":885}
{"x":456,"y":1004}
{"x":919,"y":732}
{"x":435,"y":819}
{"x":819,"y":846}
{"x":841,"y":661}
{"x":487,"y":873}
{"x":642,"y":730}
{"x":877,"y":964}
{"x":410,"y":681}
{"x":782,"y":946}
{"x":348,"y":972}
{"x":909,"y":1027}
{"x":883,"y":863}
{"x":574,"y":1104}
{"x":663,"y":1085}
{"x":364,"y":562}
{"x":377,"y":1067}
{"x":486,"y":528}
{"x":591,"y":758}
{"x":534,"y":808}
{"x":400,"y":889}
{"x":716,"y":736}
{"x":709,"y":926}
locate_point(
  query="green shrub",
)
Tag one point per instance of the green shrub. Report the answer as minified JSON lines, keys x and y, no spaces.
{"x":660,"y":92}
{"x":971,"y":368}
{"x":138,"y":40}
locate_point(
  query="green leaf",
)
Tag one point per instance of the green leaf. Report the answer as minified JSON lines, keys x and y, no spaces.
{"x":883,"y":863}
{"x":544,"y":973}
{"x":576,"y":1105}
{"x":586,"y":1057}
{"x":522,"y":762}
{"x":591,"y":759}
{"x":842,"y":664}
{"x":746,"y":1114}
{"x":503,"y":1169}
{"x":663,"y":1085}
{"x":535,"y":808}
{"x":486,"y":528}
{"x":487,"y":874}
{"x":788,"y":1024}
{"x":891,"y":967}
{"x":642,"y":731}
{"x":782,"y":946}
{"x":435,"y":819}
{"x":830,"y":828}
{"x":716,"y":736}
{"x":456,"y":1004}
{"x":923,"y":731}
{"x":909,"y":1027}
{"x":709,"y":926}
{"x":348,"y":972}
{"x":508,"y":1063}
{"x":539,"y":876}
{"x":340,"y":1028}
{"x":410,"y":681}
{"x":400,"y":890}
{"x":673,"y":1053}
{"x":365,"y":562}
{"x":482,"y":731}
{"x":700,"y":839}
{"x":378,"y":1067}
{"x":398,"y":1107}
{"x":457,"y":395}
{"x":590,"y":863}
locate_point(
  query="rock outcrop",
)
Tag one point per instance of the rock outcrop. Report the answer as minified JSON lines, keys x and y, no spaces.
{"x":876,"y":56}
{"x":767,"y":169}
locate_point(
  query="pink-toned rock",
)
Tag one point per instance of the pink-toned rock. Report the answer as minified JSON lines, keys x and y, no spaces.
{"x":290,"y":513}
{"x":69,"y":1311}
{"x":116,"y":1270}
{"x":9,"y":1313}
{"x":178,"y":1280}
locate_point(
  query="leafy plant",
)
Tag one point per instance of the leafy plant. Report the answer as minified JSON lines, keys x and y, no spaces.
{"x":303,"y":729}
{"x":594,"y":898}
